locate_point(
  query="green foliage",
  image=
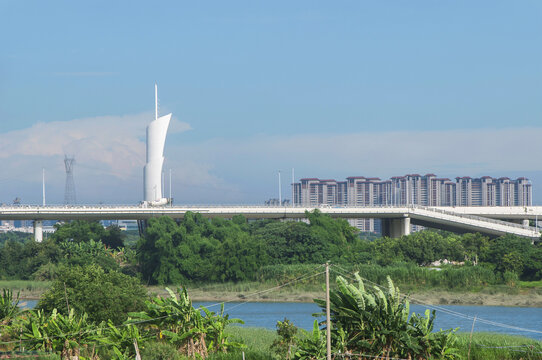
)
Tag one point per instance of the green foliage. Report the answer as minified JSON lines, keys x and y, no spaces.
{"x":121,"y":340}
{"x":175,"y":320}
{"x":87,"y":253}
{"x":20,"y":260}
{"x":157,"y":350}
{"x":68,"y":336}
{"x":9,"y":307}
{"x":198,"y":249}
{"x":102,"y":295}
{"x":282,"y":346}
{"x":15,"y":236}
{"x":79,"y":231}
{"x":75,"y":243}
{"x":370,"y":321}
{"x":493,"y":346}
{"x":312,"y":346}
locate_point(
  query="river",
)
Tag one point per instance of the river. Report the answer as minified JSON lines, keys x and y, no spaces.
{"x":499,"y":319}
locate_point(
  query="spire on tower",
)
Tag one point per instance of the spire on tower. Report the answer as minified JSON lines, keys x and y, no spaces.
{"x":155,"y":101}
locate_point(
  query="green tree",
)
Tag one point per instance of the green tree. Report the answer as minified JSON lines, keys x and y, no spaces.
{"x":83,"y":231}
{"x":158,"y":252}
{"x":89,"y":289}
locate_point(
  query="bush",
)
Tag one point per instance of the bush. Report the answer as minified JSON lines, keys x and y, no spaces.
{"x":102,"y":295}
{"x":160,"y":351}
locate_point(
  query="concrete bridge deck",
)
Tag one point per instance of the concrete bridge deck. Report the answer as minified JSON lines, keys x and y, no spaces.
{"x":396,"y":220}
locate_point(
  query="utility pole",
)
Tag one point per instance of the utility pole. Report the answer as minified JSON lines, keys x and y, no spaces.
{"x":328,"y":318}
{"x":43,"y":186}
{"x":280,"y":192}
{"x":293,"y":187}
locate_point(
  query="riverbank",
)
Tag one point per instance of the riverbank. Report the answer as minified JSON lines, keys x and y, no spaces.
{"x":489,"y":296}
{"x":266,"y":292}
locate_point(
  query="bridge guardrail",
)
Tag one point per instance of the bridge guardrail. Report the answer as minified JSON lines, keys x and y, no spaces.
{"x":480,"y":218}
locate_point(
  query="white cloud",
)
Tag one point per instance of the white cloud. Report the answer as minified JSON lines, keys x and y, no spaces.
{"x":110,"y":154}
{"x":107,"y":149}
{"x":389,"y":153}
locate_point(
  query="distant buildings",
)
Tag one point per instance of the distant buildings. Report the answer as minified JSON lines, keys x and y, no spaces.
{"x":413,"y":189}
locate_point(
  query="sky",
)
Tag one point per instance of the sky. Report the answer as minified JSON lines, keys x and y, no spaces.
{"x":328,"y":88}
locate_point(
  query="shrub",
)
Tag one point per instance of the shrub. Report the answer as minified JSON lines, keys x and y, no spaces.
{"x":102,"y":295}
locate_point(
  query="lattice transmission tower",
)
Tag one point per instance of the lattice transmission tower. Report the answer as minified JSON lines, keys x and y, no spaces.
{"x":69,"y":191}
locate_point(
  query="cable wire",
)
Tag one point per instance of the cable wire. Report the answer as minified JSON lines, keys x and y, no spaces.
{"x":439,"y":308}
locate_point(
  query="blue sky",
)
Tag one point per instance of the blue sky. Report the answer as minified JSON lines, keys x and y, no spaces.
{"x":332,"y":89}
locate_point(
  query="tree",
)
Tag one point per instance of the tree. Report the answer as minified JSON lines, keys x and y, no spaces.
{"x":83,"y":231}
{"x":89,"y":289}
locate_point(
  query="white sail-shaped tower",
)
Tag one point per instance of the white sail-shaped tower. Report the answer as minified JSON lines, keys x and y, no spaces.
{"x":152,"y":172}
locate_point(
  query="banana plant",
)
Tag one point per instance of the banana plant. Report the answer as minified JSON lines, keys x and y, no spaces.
{"x":376,"y":322}
{"x":67,"y":336}
{"x":9,"y":307}
{"x":195,"y":332}
{"x":175,"y":320}
{"x":122,"y":339}
{"x":313,"y":346}
{"x":215,"y":326}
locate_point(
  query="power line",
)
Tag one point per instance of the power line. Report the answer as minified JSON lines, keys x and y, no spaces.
{"x":439,"y":308}
{"x":171,"y":315}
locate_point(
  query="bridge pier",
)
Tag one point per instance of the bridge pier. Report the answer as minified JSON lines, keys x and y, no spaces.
{"x":524,"y":222}
{"x":396,"y":228}
{"x":38,"y":230}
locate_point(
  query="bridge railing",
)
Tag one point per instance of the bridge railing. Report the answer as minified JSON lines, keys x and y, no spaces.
{"x":475,"y":217}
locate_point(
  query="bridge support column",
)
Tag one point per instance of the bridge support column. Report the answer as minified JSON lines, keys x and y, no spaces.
{"x":396,"y":228}
{"x":38,"y":230}
{"x":525,"y":222}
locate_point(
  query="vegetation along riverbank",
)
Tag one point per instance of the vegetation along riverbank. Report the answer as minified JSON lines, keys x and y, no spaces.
{"x":104,"y":282}
{"x":89,"y":313}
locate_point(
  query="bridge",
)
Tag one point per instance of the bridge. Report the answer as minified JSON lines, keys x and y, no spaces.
{"x":396,"y":220}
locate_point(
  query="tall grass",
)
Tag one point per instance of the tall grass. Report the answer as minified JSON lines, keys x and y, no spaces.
{"x":25,"y":285}
{"x":466,"y":277}
{"x":491,"y":346}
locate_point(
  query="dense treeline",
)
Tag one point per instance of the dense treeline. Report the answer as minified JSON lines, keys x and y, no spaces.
{"x":75,"y":243}
{"x":196,"y":249}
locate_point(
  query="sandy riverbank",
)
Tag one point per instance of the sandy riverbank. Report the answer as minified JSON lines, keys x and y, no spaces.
{"x":526,"y":299}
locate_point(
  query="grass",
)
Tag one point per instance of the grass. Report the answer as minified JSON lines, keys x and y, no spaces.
{"x":253,"y":338}
{"x":28,"y":289}
{"x":491,"y":346}
{"x":484,"y":346}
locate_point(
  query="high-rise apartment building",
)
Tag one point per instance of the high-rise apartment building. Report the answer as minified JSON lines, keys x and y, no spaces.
{"x":411,"y":189}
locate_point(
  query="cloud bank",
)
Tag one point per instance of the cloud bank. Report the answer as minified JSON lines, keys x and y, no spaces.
{"x":110,"y":154}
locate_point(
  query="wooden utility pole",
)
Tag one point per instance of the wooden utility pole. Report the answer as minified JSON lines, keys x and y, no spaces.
{"x":328,"y":317}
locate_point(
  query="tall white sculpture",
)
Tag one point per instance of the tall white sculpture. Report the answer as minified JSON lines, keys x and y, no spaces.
{"x":152,"y":172}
